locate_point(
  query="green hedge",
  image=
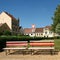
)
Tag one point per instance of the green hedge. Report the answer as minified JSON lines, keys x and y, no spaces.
{"x":58,"y":37}
{"x":21,"y":38}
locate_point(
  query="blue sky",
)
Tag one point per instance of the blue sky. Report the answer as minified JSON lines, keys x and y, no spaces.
{"x":38,"y":12}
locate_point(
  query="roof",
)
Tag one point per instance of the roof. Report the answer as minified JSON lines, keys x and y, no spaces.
{"x":49,"y":27}
{"x":13,"y":18}
{"x":39,"y":30}
{"x":28,"y":30}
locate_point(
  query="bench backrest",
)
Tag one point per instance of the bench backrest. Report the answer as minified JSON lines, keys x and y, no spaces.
{"x":41,"y":43}
{"x":31,"y":43}
{"x":16,"y":43}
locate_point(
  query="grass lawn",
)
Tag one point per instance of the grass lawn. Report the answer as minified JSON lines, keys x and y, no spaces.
{"x":57,"y":44}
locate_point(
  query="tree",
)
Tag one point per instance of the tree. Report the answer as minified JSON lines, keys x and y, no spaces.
{"x":56,"y":18}
{"x":58,"y":29}
{"x":18,"y":21}
{"x":1,"y":33}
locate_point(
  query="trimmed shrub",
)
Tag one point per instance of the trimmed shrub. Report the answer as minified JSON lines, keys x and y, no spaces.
{"x":22,"y":38}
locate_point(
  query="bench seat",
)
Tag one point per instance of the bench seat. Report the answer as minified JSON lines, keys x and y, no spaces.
{"x":42,"y":48}
{"x":14,"y":48}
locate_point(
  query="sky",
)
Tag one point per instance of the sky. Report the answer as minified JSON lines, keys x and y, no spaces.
{"x":38,"y":12}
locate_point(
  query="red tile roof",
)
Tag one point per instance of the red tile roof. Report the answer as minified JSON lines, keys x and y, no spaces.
{"x":49,"y":27}
{"x":28,"y":30}
{"x":39,"y":30}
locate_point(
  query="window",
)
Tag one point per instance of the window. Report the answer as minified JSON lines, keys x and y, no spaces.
{"x":41,"y":34}
{"x":50,"y":32}
{"x":37,"y":34}
{"x":31,"y":34}
{"x":45,"y":32}
{"x":46,"y":28}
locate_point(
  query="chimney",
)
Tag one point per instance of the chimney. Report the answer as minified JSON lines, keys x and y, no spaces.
{"x":33,"y":28}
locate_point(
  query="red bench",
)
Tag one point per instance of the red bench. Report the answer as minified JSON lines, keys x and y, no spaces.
{"x":15,"y":45}
{"x":41,"y":45}
{"x":32,"y":45}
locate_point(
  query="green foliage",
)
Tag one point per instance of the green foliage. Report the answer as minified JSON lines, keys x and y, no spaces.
{"x":58,"y":28}
{"x":1,"y":33}
{"x":6,"y":32}
{"x":57,"y":44}
{"x":56,"y":18}
{"x":22,"y":38}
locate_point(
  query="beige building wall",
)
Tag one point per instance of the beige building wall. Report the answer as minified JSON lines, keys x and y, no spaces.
{"x":39,"y":34}
{"x":4,"y":18}
{"x":47,"y":33}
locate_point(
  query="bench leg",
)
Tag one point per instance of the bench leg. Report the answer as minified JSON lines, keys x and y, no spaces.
{"x":31,"y":51}
{"x":51,"y":51}
{"x":22,"y":50}
{"x":7,"y":52}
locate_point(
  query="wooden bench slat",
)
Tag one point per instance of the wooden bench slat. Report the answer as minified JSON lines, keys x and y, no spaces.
{"x":43,"y":41}
{"x":41,"y":44}
{"x":16,"y":45}
{"x":41,"y":48}
{"x":13,"y":42}
{"x":14,"y":48}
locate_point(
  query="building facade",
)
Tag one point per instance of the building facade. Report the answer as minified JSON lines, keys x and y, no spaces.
{"x":11,"y":22}
{"x":28,"y":31}
{"x":39,"y":32}
{"x":47,"y":32}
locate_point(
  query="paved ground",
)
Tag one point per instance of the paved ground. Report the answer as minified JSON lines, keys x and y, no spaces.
{"x":29,"y":56}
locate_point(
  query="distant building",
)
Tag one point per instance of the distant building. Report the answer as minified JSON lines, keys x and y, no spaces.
{"x":28,"y":31}
{"x":39,"y":32}
{"x":10,"y":21}
{"x":47,"y":32}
